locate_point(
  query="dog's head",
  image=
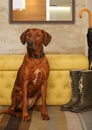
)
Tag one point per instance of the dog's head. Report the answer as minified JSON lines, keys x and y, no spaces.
{"x":35,"y":38}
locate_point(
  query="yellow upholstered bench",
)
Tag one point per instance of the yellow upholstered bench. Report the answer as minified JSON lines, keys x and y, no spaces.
{"x":58,"y":90}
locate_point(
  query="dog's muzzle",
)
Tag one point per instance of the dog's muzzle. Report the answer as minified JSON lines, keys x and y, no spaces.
{"x":30,"y":45}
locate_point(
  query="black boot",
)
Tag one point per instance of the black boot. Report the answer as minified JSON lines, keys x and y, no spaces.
{"x":74,"y":82}
{"x":85,"y":87}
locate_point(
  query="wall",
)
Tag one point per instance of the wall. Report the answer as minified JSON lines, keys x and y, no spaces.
{"x":89,"y":4}
{"x":66,"y":38}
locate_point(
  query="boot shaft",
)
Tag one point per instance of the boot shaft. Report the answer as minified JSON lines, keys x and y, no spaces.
{"x":74,"y":84}
{"x":74,"y":81}
{"x":85,"y":85}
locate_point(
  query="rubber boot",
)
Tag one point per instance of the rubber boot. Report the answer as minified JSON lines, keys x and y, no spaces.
{"x":74,"y":83}
{"x":85,"y":87}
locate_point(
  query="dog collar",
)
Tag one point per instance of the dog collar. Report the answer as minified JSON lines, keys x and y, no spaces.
{"x":35,"y":56}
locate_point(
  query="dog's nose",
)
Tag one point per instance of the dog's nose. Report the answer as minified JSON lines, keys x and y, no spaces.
{"x":30,"y":43}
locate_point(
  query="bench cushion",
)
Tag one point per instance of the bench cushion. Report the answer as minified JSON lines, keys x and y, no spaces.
{"x":58,"y":89}
{"x":57,"y":62}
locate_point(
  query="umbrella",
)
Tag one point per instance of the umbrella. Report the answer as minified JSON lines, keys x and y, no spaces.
{"x":89,"y":35}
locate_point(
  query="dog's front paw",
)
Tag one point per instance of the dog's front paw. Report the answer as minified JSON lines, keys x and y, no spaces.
{"x":45,"y":117}
{"x":44,"y":114}
{"x":26,"y":117}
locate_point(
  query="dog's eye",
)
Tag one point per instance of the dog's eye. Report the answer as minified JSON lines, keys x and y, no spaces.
{"x":28,"y":35}
{"x":38,"y":35}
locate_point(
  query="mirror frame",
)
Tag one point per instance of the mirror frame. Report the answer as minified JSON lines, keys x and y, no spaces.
{"x":63,"y":22}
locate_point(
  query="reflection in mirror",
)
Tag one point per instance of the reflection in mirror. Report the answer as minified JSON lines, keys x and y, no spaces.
{"x":19,"y":4}
{"x":42,"y":10}
{"x":60,"y":10}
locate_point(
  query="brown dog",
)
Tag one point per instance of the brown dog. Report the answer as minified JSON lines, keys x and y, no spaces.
{"x":31,"y":81}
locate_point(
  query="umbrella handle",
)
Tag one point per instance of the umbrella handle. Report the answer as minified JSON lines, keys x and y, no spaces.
{"x":89,"y":15}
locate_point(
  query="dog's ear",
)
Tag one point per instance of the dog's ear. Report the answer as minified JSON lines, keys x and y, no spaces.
{"x":23,"y":36}
{"x":47,"y":38}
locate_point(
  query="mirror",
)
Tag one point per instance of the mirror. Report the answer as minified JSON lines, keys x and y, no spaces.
{"x":24,"y":11}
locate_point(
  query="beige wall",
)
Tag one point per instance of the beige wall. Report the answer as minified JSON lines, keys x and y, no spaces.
{"x":89,"y":4}
{"x":66,"y":38}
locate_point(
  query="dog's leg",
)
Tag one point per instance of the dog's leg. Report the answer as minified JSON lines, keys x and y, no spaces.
{"x":8,"y":111}
{"x":25,"y":116}
{"x":16,"y":107}
{"x":4,"y":111}
{"x":11,"y":110}
{"x":33,"y":100}
{"x":44,"y":109}
{"x":28,"y":102}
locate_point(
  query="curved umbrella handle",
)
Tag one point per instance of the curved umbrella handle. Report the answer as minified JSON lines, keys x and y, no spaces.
{"x":89,"y":15}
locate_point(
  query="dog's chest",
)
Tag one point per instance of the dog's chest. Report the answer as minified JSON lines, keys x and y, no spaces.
{"x":35,"y":72}
{"x":35,"y":82}
{"x":36,"y":75}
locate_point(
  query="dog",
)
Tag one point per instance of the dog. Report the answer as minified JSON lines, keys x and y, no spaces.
{"x":31,"y":80}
